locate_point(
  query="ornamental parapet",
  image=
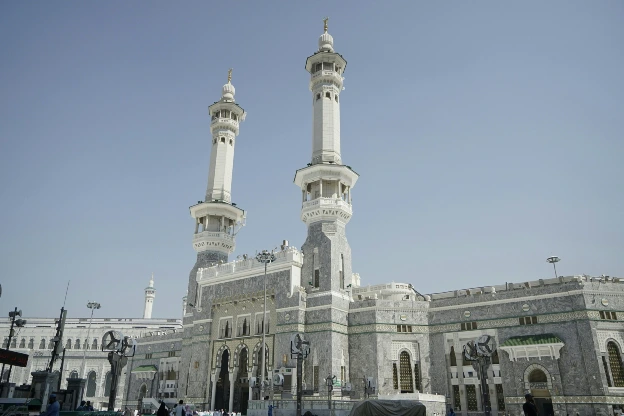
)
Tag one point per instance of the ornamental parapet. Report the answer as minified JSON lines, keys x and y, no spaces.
{"x":329,"y":209}
{"x":284,"y":258}
{"x":208,"y":240}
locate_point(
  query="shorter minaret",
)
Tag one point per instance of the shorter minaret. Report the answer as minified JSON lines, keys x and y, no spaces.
{"x":150,"y":294}
{"x":217,"y":219}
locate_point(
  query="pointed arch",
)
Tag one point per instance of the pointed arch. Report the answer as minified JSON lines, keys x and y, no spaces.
{"x":108,"y":383}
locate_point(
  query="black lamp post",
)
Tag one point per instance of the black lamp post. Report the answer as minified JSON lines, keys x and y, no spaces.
{"x":14,"y":323}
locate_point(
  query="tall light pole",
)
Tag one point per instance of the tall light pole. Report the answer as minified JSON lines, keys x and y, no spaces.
{"x":554,"y":260}
{"x":265,"y":257}
{"x":93,"y":306}
{"x":14,"y":323}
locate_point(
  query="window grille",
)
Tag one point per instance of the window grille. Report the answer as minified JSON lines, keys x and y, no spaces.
{"x":500,"y":397}
{"x":395,"y":378}
{"x":606,"y":370}
{"x":456,"y":398}
{"x":471,"y":398}
{"x":615,"y":360}
{"x":405,"y":369}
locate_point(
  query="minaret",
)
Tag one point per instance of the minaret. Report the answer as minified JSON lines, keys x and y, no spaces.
{"x":150,"y":294}
{"x":326,"y":183}
{"x":326,"y":209}
{"x":217,"y":218}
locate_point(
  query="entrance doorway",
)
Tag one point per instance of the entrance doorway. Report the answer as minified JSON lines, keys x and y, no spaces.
{"x":241,"y":386}
{"x":538,"y":382}
{"x":222,"y":398}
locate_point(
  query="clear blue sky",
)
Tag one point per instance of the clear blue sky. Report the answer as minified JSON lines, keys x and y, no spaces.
{"x":488,"y":136}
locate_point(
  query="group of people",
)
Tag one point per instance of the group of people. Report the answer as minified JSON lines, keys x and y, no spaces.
{"x":85,"y":407}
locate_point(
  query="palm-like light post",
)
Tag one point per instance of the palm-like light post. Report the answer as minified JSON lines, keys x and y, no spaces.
{"x":93,"y":306}
{"x":554,"y":260}
{"x":265,"y":257}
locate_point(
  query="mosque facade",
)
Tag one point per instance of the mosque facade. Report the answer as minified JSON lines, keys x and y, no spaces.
{"x":559,"y":339}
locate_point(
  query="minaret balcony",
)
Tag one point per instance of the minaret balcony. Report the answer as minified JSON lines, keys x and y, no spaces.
{"x":225,"y":123}
{"x":326,"y":76}
{"x":211,"y":240}
{"x":326,"y":209}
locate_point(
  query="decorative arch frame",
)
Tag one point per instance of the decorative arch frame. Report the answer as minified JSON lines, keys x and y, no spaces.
{"x":237,"y":352}
{"x":256,"y":350}
{"x":140,"y":390}
{"x":615,"y":341}
{"x":218,"y":356}
{"x":540,"y":367}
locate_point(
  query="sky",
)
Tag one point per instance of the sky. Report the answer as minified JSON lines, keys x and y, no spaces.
{"x":487,"y":136}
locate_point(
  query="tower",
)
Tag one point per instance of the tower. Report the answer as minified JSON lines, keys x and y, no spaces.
{"x":150,"y":294}
{"x":217,"y":218}
{"x":326,"y":209}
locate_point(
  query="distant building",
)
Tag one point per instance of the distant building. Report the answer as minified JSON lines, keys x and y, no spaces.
{"x":35,"y":339}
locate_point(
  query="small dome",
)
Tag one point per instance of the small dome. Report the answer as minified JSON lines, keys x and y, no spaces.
{"x":326,"y":43}
{"x":228,"y":92}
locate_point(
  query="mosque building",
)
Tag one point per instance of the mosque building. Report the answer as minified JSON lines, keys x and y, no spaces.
{"x":560,"y":339}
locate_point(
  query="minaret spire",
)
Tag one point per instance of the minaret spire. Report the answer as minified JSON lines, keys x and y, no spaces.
{"x":217,"y":219}
{"x":150,"y":294}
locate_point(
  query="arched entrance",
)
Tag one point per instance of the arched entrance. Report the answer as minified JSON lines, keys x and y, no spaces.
{"x":142,"y":394}
{"x":241,"y":384}
{"x":539,"y":386}
{"x":222,"y":396}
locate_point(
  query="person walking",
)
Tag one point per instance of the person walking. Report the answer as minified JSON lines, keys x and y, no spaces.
{"x":529,"y":407}
{"x":53,"y":408}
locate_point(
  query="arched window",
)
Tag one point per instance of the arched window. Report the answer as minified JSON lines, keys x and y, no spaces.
{"x":31,"y":343}
{"x":68,"y":344}
{"x":14,"y":343}
{"x":94,"y":345}
{"x":73,"y":374}
{"x":222,"y":139}
{"x":405,"y":373}
{"x":107,"y":384}
{"x":91,"y":384}
{"x":495,"y":359}
{"x":51,"y":345}
{"x":453,"y":357}
{"x":231,"y":142}
{"x":42,"y":344}
{"x":318,"y":96}
{"x":328,"y":95}
{"x":214,"y":141}
{"x":23,"y":343}
{"x":336,"y":97}
{"x":85,"y":344}
{"x":537,"y":376}
{"x":615,"y":360}
{"x":5,"y":343}
{"x":77,"y":344}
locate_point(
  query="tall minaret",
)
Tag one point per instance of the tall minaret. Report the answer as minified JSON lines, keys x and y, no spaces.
{"x":217,"y":219}
{"x":326,"y":209}
{"x":150,"y":294}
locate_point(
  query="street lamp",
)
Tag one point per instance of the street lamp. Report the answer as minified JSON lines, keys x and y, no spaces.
{"x":265,"y":257}
{"x":93,"y":306}
{"x":14,"y":323}
{"x":554,"y":260}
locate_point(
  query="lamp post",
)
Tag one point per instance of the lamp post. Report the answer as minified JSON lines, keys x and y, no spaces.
{"x":93,"y":306}
{"x":330,"y":387}
{"x":554,"y":260}
{"x":265,"y":257}
{"x":14,"y":323}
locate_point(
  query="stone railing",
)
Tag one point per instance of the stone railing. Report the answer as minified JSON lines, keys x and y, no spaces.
{"x":326,"y":202}
{"x":289,"y":254}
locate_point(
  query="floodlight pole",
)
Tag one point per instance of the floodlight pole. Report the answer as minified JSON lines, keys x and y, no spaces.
{"x":93,"y":306}
{"x":554,"y":260}
{"x":266,"y":258}
{"x":13,"y":315}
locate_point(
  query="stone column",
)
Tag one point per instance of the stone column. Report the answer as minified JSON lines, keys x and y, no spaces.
{"x":43,"y":385}
{"x":231,"y":402}
{"x":249,"y":376}
{"x":77,"y":385}
{"x":321,"y":188}
{"x":213,"y":377}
